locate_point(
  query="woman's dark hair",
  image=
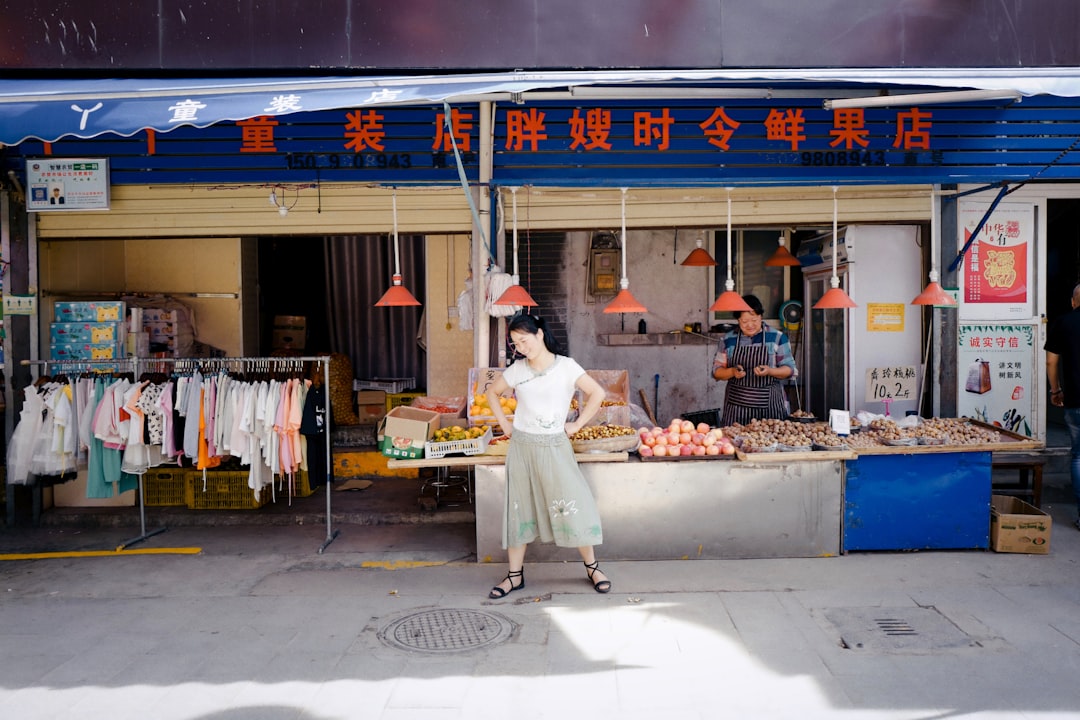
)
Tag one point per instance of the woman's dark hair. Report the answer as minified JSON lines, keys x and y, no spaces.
{"x":528,"y":323}
{"x":754,"y":304}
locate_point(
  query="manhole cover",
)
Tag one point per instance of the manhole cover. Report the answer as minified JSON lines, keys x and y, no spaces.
{"x":897,"y":629}
{"x":446,"y":630}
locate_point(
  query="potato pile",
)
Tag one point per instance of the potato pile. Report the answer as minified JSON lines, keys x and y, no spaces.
{"x":887,"y":430}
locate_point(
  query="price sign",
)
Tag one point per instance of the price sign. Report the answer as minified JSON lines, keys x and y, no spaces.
{"x":890,"y":383}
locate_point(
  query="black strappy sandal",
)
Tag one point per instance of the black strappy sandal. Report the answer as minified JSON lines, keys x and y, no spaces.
{"x":603,"y":586}
{"x":497,"y":592}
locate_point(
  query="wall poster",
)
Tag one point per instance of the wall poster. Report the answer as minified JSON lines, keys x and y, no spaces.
{"x":996,"y":276}
{"x":997,"y":375}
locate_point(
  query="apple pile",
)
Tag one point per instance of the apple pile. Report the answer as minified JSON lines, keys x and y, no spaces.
{"x":681,"y":438}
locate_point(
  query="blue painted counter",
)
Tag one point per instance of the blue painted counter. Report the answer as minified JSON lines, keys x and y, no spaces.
{"x":917,"y":501}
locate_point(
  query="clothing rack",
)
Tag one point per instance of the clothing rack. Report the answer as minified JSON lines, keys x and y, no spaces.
{"x":208,"y":366}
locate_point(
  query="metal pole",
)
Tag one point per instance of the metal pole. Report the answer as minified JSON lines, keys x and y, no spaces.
{"x":330,"y":534}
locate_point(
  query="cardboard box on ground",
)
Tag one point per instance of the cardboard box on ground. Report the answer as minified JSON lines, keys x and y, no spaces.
{"x":1017,"y":527}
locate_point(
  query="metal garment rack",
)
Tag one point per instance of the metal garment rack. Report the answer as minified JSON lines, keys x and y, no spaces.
{"x":208,"y":366}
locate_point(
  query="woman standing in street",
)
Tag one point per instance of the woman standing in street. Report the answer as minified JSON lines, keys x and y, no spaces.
{"x":754,"y":359}
{"x":547,"y":497}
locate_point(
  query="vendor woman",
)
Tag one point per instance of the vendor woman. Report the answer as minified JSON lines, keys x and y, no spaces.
{"x":754,"y":359}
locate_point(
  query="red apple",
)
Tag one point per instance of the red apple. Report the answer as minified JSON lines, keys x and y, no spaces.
{"x":645,"y":451}
{"x":703,"y":428}
{"x":697,"y":438}
{"x":712,"y":450}
{"x":699,"y":450}
{"x":660,"y":450}
{"x":685,"y":438}
{"x":687,"y":426}
{"x":727,"y":449}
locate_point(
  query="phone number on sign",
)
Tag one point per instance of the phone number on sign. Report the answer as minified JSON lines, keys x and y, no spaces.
{"x":841,"y":159}
{"x":334,"y":161}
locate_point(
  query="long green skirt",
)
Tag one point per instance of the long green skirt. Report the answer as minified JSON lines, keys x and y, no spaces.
{"x":546,"y":494}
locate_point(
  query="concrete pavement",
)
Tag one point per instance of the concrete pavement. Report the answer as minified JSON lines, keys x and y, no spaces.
{"x":392,"y":621}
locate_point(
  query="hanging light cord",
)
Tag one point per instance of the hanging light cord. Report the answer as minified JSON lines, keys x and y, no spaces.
{"x":397,"y":264}
{"x":730,"y":284}
{"x":464,"y":181}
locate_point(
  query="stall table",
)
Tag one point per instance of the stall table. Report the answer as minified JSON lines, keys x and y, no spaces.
{"x":787,"y":505}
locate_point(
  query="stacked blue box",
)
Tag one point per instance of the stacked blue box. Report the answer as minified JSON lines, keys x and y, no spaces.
{"x":88,"y":330}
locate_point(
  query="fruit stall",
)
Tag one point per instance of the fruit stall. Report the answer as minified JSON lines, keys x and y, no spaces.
{"x":767,"y":489}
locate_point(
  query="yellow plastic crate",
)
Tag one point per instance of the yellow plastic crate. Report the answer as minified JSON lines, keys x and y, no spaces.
{"x":164,"y":487}
{"x":402,"y":398}
{"x":301,"y":485}
{"x":224,"y":490}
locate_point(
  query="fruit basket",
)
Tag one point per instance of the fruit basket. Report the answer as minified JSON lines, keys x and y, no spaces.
{"x":470,"y":446}
{"x":621,"y":443}
{"x":498,"y":445}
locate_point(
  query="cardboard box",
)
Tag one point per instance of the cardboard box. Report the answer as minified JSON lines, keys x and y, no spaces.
{"x":288,"y":339}
{"x":404,"y":431}
{"x":97,"y":311}
{"x":85,"y":332}
{"x":159,"y":315}
{"x":370,"y":406}
{"x":86,"y":351}
{"x":1017,"y":527}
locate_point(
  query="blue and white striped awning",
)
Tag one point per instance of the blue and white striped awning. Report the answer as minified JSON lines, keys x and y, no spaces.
{"x":51,"y":109}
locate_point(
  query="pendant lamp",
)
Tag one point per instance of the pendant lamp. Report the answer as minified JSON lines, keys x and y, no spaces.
{"x":515,"y":294}
{"x":835,"y":298}
{"x":699,"y":256}
{"x":729,"y":300}
{"x":934,"y":294}
{"x":782,"y":257}
{"x":624,"y":302}
{"x":398,"y":295}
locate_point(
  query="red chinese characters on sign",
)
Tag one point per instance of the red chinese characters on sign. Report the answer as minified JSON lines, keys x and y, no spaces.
{"x":913,"y":129}
{"x":849,"y":127}
{"x":462,"y":124}
{"x":364,"y":130}
{"x":592,"y":131}
{"x":787,"y":126}
{"x":719,"y":128}
{"x":257,"y":134}
{"x":648,"y":128}
{"x":998,"y":341}
{"x":525,"y":126}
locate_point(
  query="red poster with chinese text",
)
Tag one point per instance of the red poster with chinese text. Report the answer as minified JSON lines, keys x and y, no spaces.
{"x":996,"y":271}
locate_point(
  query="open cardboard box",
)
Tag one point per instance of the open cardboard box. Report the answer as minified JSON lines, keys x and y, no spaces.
{"x":1017,"y":527}
{"x":404,"y":430}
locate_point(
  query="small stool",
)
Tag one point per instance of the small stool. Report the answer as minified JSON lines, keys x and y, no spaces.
{"x":444,"y":480}
{"x":1029,"y":476}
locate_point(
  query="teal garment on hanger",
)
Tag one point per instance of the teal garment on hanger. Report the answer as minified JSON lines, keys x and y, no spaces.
{"x":96,"y":484}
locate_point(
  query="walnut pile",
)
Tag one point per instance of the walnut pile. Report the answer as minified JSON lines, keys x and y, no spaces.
{"x":602,"y":432}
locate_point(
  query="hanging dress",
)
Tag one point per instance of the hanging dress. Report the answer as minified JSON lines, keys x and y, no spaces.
{"x":750,"y":396}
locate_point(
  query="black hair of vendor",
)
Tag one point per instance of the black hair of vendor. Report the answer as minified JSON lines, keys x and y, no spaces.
{"x":754,"y":304}
{"x":527,"y":322}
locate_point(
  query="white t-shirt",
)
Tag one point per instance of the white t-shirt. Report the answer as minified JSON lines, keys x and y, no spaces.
{"x":543,"y":399}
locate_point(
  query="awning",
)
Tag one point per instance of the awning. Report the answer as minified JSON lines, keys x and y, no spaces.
{"x":51,"y":109}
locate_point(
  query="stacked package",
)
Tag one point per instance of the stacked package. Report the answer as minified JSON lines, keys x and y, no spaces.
{"x":161,"y":328}
{"x":88,"y":330}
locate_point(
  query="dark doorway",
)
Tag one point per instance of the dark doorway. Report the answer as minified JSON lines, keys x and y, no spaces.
{"x":1062,"y":269}
{"x":292,"y":273}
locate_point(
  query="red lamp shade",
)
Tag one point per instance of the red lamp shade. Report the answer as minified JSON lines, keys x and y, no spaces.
{"x":516,"y":295}
{"x":624,"y":302}
{"x":782,"y":257}
{"x":934,"y":294}
{"x":730,"y":301}
{"x":834,"y":299}
{"x":699,"y":257}
{"x":397,"y":296}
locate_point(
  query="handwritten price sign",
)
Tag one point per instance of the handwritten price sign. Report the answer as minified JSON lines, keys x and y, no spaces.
{"x":892,"y":383}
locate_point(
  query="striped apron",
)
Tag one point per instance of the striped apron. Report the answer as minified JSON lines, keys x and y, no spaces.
{"x":751,"y":396}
